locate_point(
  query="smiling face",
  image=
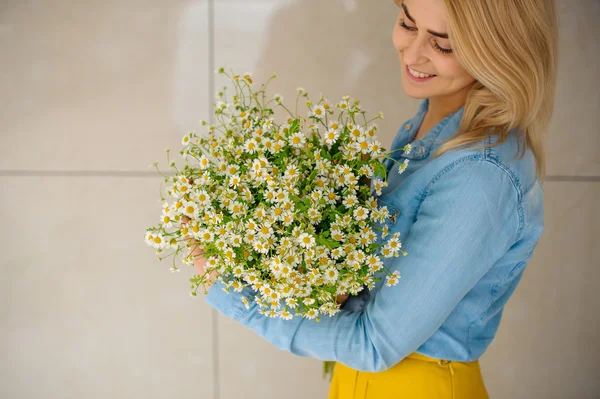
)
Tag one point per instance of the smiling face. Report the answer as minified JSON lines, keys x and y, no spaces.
{"x":417,"y":40}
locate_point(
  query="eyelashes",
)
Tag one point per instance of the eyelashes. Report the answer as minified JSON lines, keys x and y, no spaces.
{"x":437,"y":47}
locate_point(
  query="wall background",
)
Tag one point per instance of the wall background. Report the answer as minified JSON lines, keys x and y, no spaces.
{"x":92,"y":93}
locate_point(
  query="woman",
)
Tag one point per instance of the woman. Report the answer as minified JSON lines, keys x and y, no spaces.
{"x":469,"y":206}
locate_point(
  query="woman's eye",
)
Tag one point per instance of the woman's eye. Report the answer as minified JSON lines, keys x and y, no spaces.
{"x":437,"y":47}
{"x":443,"y":50}
{"x":402,"y":24}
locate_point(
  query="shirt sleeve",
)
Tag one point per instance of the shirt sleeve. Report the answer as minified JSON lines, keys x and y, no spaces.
{"x":467,"y":220}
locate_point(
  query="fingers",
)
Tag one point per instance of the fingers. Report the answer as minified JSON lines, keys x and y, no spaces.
{"x":198,"y":250}
{"x":187,"y":238}
{"x":341,"y":299}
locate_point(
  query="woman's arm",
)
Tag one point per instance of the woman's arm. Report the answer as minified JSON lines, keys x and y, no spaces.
{"x":466,"y":222}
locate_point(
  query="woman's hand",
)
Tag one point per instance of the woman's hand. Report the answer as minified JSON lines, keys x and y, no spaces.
{"x":199,"y":260}
{"x":341,"y":299}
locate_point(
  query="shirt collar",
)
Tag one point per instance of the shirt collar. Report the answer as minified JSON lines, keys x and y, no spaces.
{"x":444,"y":130}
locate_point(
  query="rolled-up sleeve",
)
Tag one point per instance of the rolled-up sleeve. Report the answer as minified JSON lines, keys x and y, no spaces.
{"x":467,"y":220}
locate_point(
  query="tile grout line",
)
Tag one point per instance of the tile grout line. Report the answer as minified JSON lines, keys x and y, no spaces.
{"x":120,"y":173}
{"x":211,"y":90}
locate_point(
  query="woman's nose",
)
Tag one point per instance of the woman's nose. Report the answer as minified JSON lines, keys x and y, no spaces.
{"x":414,"y":52}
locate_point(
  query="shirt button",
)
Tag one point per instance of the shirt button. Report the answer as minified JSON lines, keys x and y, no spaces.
{"x":421,"y":150}
{"x":407,"y":126}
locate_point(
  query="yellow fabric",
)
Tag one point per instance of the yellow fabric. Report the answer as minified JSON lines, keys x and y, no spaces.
{"x":415,"y":377}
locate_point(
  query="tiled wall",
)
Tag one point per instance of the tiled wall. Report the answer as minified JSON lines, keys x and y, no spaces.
{"x":92,"y":93}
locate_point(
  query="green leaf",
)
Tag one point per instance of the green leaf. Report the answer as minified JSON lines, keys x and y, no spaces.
{"x":328,"y":243}
{"x":380,"y":169}
{"x":328,"y":367}
{"x":295,"y":198}
{"x":331,"y":290}
{"x":373,"y":247}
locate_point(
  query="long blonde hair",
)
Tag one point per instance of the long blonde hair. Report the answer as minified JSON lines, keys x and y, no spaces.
{"x":510,"y":48}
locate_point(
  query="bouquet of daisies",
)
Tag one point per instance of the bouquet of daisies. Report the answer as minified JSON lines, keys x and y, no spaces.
{"x":287,"y":208}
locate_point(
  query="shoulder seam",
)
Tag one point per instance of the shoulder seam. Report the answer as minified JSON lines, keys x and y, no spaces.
{"x":494,"y":161}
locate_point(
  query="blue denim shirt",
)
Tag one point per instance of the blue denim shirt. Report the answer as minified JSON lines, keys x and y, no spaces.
{"x":469,"y":221}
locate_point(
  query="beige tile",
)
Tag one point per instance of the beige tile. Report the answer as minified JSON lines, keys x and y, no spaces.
{"x":84,"y":84}
{"x":86,"y":308}
{"x":250,"y":367}
{"x":79,"y":77}
{"x":574,"y":147}
{"x":335,"y":48}
{"x":546,"y":346}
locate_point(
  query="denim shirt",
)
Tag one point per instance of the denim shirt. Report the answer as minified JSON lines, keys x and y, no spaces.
{"x":469,"y":221}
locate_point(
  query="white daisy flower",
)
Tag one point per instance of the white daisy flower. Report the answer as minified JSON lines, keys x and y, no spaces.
{"x":231,"y":169}
{"x":237,"y":286}
{"x":331,"y":136}
{"x":337,"y":253}
{"x":361,"y":213}
{"x":277,"y":146}
{"x":350,"y":201}
{"x":297,"y":140}
{"x":186,"y":139}
{"x":265,"y":231}
{"x":291,"y":302}
{"x":314,"y":215}
{"x":291,"y":172}
{"x":251,"y":146}
{"x":331,"y":197}
{"x":306,"y":240}
{"x":366,"y":170}
{"x":156,"y":240}
{"x":285,"y":315}
{"x":386,"y":253}
{"x":375,"y":148}
{"x":260,"y":246}
{"x":362,"y":145}
{"x":385,"y":231}
{"x":337,"y":234}
{"x":282,"y":195}
{"x":402,"y":166}
{"x":394,"y":244}
{"x":311,"y":313}
{"x":378,"y":185}
{"x":331,"y":275}
{"x":308,"y":301}
{"x":268,"y":144}
{"x":203,"y":162}
{"x":393,"y":279}
{"x":238,"y":271}
{"x":374,"y":262}
{"x":245,"y":301}
{"x":202,"y":198}
{"x":205,"y":235}
{"x":189,"y":209}
{"x":318,"y":111}
{"x":316,"y":195}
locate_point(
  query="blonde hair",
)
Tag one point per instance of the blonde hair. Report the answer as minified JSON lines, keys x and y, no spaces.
{"x":510,"y":48}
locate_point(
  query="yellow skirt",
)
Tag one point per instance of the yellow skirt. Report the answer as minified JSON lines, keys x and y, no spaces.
{"x":415,"y":377}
